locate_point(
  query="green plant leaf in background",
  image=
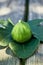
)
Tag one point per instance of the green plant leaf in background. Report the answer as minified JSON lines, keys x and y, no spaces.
{"x":5,"y":32}
{"x":24,"y":50}
{"x":37,"y":28}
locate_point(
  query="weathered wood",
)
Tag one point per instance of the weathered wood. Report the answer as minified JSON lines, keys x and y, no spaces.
{"x":7,"y":58}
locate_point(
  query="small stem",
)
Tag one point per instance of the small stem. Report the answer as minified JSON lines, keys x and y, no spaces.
{"x":22,"y":61}
{"x":26,"y":11}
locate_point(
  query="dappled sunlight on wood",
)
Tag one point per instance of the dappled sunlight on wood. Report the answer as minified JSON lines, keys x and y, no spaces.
{"x":7,"y":59}
{"x":36,"y":8}
{"x":2,"y":0}
{"x":3,"y":55}
{"x":4,"y":11}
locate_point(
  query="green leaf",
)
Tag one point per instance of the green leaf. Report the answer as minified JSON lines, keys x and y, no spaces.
{"x":5,"y":32}
{"x":4,"y":23}
{"x":24,"y":50}
{"x":37,"y":28}
{"x":20,"y":50}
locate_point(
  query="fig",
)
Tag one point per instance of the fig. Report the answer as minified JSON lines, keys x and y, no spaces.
{"x":21,"y":32}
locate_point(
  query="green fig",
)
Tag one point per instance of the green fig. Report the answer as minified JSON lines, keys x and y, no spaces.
{"x":21,"y":32}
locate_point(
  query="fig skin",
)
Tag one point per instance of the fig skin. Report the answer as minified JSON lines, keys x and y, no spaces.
{"x":21,"y":32}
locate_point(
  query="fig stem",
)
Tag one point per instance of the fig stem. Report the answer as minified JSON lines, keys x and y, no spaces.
{"x":22,"y":61}
{"x":26,"y":11}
